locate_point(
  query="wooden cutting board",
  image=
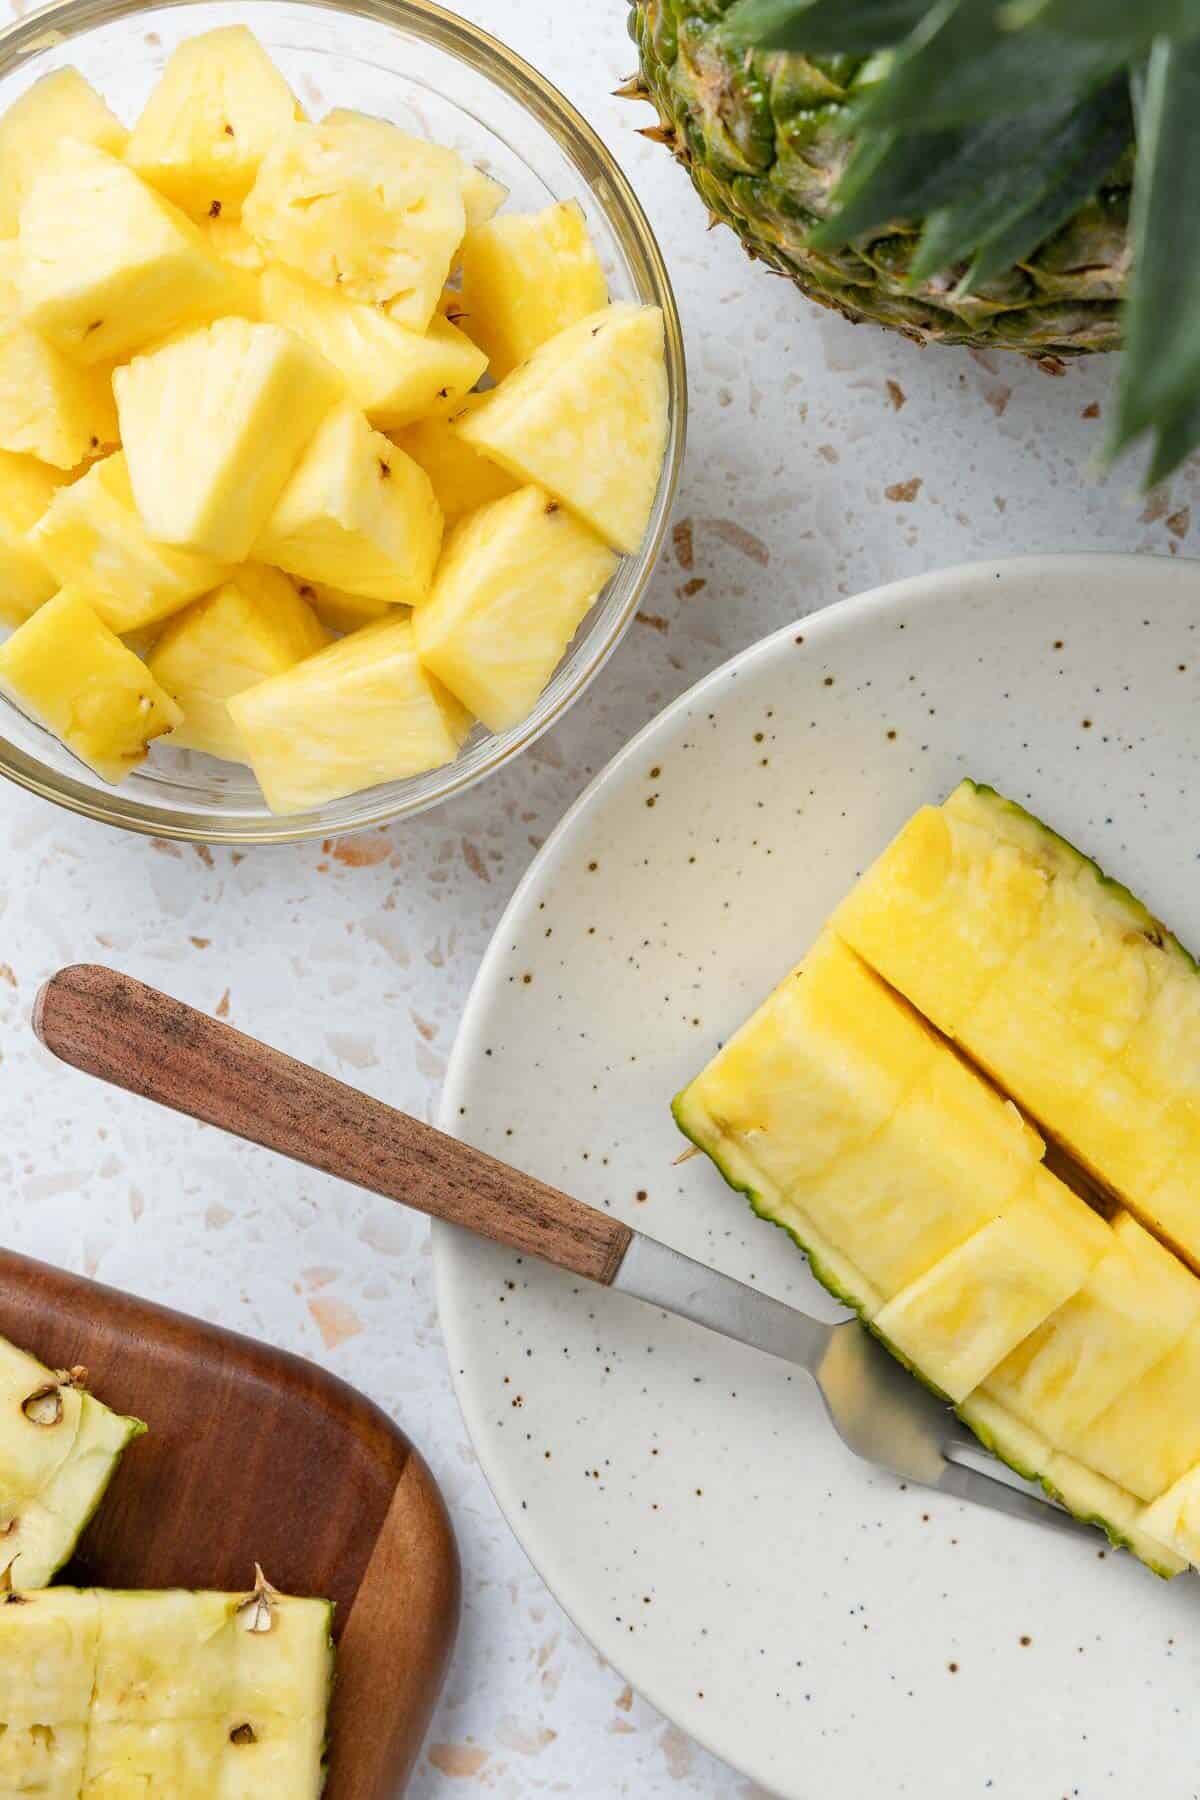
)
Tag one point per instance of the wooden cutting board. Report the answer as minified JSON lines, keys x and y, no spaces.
{"x":254,"y":1455}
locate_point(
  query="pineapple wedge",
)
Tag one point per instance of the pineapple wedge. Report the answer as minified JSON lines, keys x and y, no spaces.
{"x":483,"y":195}
{"x":361,"y":712}
{"x":213,"y":426}
{"x":60,"y":105}
{"x":343,"y":612}
{"x":360,"y":205}
{"x":358,"y":514}
{"x":50,"y":408}
{"x":108,"y":265}
{"x":92,"y":537}
{"x":26,"y":579}
{"x":527,"y":276}
{"x":392,"y":374}
{"x":586,"y":418}
{"x":70,"y":673}
{"x":462,"y":479}
{"x":254,"y":626}
{"x":219,"y":107}
{"x":513,"y":584}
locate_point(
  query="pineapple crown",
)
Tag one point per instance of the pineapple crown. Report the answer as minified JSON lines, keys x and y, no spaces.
{"x":993,"y":121}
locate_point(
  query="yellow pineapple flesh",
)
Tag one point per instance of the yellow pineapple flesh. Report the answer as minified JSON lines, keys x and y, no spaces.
{"x":586,"y":418}
{"x":213,"y":425}
{"x":50,"y":407}
{"x":357,"y":514}
{"x":462,"y":478}
{"x":219,"y":107}
{"x":513,"y":584}
{"x":71,"y":674}
{"x":26,"y":579}
{"x":343,"y":612}
{"x":361,"y":712}
{"x":525,"y":277}
{"x":60,"y":105}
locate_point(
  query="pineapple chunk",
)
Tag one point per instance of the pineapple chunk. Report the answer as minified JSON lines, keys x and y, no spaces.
{"x":1150,"y":1435}
{"x":343,"y":612}
{"x":586,"y":418}
{"x":51,"y":408}
{"x":70,"y":673}
{"x":392,"y":374}
{"x":60,"y":105}
{"x":219,"y":107}
{"x":360,"y":205}
{"x":483,"y":195}
{"x":462,"y":479}
{"x":361,"y":712}
{"x":26,"y":579}
{"x":92,"y":537}
{"x":214,"y":424}
{"x":526,"y":277}
{"x":242,"y":261}
{"x":515,"y":581}
{"x":358,"y":514}
{"x":254,"y":626}
{"x":1174,"y":1517}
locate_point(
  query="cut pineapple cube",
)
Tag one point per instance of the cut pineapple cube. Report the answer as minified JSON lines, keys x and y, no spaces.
{"x":92,"y":537}
{"x":343,"y":612}
{"x":26,"y":579}
{"x":60,"y":105}
{"x":108,"y":265}
{"x":254,"y":626}
{"x":527,"y":276}
{"x":70,"y":673}
{"x":50,"y":407}
{"x":361,"y":712}
{"x":1150,"y":1435}
{"x":213,"y":426}
{"x":358,"y":514}
{"x":360,"y":205}
{"x":1174,"y":1517}
{"x":392,"y":374}
{"x":515,"y":581}
{"x":462,"y":479}
{"x":219,"y":107}
{"x":586,"y":418}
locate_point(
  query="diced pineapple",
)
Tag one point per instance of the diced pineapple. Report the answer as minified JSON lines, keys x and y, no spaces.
{"x":254,"y":626}
{"x":1174,"y":1517}
{"x":393,"y":374}
{"x":361,"y":712}
{"x":586,"y":418}
{"x":462,"y":478}
{"x":513,"y":584}
{"x":60,"y":105}
{"x":527,"y":276}
{"x":92,"y":537}
{"x":50,"y":407}
{"x":213,"y":426}
{"x":483,"y":195}
{"x":358,"y":514}
{"x":70,"y":673}
{"x":343,"y":612}
{"x":360,"y":205}
{"x":219,"y":107}
{"x":1150,"y":1435}
{"x":26,"y":579}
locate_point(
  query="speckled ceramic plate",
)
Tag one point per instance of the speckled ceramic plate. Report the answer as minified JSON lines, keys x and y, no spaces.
{"x":827,"y":1632}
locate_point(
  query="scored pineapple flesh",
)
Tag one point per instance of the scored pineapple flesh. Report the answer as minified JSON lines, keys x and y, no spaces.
{"x":1150,"y":1434}
{"x":92,"y":537}
{"x":462,"y":478}
{"x":358,"y":713}
{"x":26,"y":580}
{"x":526,"y":277}
{"x":213,"y":425}
{"x":357,"y":514}
{"x":586,"y":418}
{"x":255,"y":625}
{"x":219,"y":107}
{"x":60,"y":105}
{"x":71,"y":674}
{"x":1175,"y":1517}
{"x":514,"y":582}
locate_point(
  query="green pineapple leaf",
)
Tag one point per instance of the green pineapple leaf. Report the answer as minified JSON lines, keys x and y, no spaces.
{"x":1174,"y":442}
{"x":1118,"y":22}
{"x":824,"y":27}
{"x":888,"y":177}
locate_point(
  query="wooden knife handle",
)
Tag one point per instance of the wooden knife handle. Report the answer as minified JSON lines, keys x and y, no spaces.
{"x":128,"y":1034}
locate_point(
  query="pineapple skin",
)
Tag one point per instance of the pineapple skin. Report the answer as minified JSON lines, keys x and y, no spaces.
{"x":759,"y":135}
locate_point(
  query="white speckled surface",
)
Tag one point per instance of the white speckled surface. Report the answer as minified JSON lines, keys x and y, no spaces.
{"x":823,"y":459}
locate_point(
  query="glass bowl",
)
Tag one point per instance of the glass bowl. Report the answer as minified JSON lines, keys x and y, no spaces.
{"x":436,"y":75}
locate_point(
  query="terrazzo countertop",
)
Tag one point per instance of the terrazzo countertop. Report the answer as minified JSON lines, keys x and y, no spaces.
{"x":823,"y":459}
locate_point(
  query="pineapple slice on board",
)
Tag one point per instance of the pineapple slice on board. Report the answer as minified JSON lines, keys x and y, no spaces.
{"x":26,"y":579}
{"x":60,"y":105}
{"x":108,"y":265}
{"x":213,"y":425}
{"x":218,"y":108}
{"x":70,"y":673}
{"x":253,"y":626}
{"x":525,"y":277}
{"x":361,"y":712}
{"x":394,"y":375}
{"x":343,"y":612}
{"x":92,"y":537}
{"x":357,"y":514}
{"x":462,"y":478}
{"x":586,"y":418}
{"x":514,"y":582}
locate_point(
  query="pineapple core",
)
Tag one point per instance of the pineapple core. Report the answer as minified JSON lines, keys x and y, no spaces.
{"x":60,"y":105}
{"x":525,"y":278}
{"x":70,"y":673}
{"x":26,"y":579}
